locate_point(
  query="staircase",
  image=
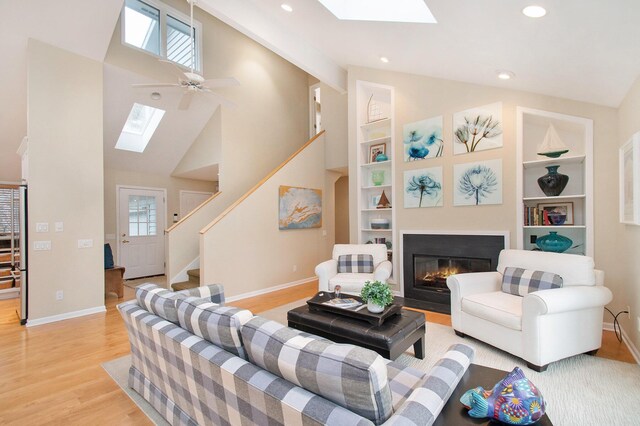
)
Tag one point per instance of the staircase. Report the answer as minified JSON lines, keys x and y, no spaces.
{"x":194,"y":281}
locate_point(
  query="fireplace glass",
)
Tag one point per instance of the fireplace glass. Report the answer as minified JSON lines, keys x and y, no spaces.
{"x":431,"y":272}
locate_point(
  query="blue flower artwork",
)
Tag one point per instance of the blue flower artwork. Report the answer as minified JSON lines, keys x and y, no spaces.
{"x":423,"y":139}
{"x":423,"y":188}
{"x":477,"y":183}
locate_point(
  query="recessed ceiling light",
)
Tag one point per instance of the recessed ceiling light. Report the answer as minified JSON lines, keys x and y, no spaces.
{"x":156,"y":96}
{"x":505,"y":75}
{"x":384,"y":59}
{"x":286,"y":7}
{"x":534,"y":11}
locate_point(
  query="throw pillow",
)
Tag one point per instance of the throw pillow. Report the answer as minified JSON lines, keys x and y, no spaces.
{"x":352,"y":377}
{"x":521,"y":282}
{"x":217,"y":324}
{"x":355,"y":263}
{"x":213,"y":292}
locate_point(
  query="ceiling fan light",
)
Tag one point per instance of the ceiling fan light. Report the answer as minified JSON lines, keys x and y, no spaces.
{"x":156,"y":96}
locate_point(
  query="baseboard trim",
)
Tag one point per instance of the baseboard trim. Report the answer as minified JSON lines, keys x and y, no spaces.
{"x":9,"y":293}
{"x":625,"y":338}
{"x":65,"y":316}
{"x":268,"y":290}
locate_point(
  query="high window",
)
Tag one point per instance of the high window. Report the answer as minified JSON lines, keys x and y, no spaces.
{"x":139,"y":127}
{"x":162,"y":31}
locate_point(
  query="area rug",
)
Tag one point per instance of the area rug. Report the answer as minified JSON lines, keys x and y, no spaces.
{"x":160,"y":280}
{"x":582,"y":390}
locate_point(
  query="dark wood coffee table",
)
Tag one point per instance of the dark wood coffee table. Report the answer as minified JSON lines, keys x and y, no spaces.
{"x":390,"y":339}
{"x":454,"y":413}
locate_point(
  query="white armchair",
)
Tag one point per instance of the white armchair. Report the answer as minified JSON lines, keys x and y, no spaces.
{"x":328,"y":276}
{"x":542,"y":327}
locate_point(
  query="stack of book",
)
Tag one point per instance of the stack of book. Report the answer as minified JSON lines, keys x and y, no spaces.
{"x":534,"y":216}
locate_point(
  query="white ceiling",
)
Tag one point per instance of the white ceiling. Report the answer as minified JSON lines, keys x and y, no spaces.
{"x":174,"y":135}
{"x":587,"y":50}
{"x":84,"y":27}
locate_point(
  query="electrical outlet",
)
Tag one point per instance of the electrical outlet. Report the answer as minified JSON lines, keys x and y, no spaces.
{"x":59,"y":295}
{"x":533,"y":239}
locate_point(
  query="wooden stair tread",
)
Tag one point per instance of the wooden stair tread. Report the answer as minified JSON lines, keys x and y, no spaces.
{"x":194,"y":273}
{"x":184,"y":285}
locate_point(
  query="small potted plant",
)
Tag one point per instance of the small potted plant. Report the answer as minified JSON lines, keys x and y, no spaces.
{"x":377,"y":295}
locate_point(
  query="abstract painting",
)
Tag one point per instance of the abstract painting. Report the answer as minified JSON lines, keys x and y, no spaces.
{"x":477,"y":183}
{"x":477,"y":129}
{"x":423,"y":188}
{"x":300,"y":208}
{"x":423,"y":139}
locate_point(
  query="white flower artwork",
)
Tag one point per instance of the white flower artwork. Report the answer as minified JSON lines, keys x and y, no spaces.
{"x":477,"y":129}
{"x":477,"y":183}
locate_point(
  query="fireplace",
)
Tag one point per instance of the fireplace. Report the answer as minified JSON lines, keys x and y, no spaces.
{"x":428,"y":259}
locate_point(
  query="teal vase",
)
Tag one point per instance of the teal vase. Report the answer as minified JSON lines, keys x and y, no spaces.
{"x":381,"y":157}
{"x":554,"y":242}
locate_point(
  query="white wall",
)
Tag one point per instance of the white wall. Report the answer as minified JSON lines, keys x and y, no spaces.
{"x":625,"y":251}
{"x":334,"y":121}
{"x":65,"y":180}
{"x":420,"y":97}
{"x":246,"y":252}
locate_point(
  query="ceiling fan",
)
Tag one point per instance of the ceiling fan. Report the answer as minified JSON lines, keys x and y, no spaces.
{"x":190,"y":81}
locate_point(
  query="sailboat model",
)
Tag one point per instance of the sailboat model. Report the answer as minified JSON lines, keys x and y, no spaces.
{"x":552,"y":146}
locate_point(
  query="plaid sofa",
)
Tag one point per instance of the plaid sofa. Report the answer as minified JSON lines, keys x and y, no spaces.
{"x":191,"y":381}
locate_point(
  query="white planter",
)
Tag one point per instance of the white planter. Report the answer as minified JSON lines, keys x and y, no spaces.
{"x":373,"y":308}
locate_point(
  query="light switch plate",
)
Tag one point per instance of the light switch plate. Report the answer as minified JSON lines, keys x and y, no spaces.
{"x":42,"y":227}
{"x":41,"y":245}
{"x":85,"y":244}
{"x":59,"y":226}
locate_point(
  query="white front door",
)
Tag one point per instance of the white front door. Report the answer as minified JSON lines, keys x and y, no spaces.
{"x":189,"y":200}
{"x":141,"y":224}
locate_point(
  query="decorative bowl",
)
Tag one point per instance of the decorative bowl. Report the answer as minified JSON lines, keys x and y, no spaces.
{"x":379,"y":223}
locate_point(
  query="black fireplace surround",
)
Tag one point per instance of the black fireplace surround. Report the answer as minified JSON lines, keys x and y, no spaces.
{"x":429,"y":258}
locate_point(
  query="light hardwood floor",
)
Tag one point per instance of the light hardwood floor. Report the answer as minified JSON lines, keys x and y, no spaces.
{"x":52,"y":374}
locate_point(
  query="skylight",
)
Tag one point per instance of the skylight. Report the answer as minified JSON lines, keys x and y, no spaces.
{"x":381,"y":10}
{"x":140,"y":126}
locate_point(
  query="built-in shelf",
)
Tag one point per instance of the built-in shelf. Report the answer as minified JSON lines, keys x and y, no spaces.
{"x":377,"y":140}
{"x":377,"y":210}
{"x":376,"y":164}
{"x":385,"y":122}
{"x":578,"y":159}
{"x":555,"y":227}
{"x":376,"y":187}
{"x":376,"y":230}
{"x":559,"y":197}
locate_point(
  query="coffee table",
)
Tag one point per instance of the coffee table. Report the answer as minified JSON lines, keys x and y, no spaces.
{"x":454,"y":413}
{"x":390,"y":339}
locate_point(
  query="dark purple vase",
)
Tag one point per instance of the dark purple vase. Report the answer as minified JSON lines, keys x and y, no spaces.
{"x":553,"y":183}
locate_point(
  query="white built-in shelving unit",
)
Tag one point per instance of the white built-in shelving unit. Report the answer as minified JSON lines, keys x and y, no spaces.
{"x":374,"y":103}
{"x":577,"y":135}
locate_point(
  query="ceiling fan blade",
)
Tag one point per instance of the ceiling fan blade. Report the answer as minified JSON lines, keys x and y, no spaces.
{"x":221,"y":82}
{"x":223,"y":101}
{"x":185,"y":101}
{"x":139,"y":86}
{"x":173,"y":68}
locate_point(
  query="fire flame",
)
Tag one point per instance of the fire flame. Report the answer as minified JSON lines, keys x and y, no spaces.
{"x":440,"y":274}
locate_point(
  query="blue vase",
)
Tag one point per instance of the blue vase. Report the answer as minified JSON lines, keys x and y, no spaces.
{"x":554,"y":242}
{"x":381,"y":157}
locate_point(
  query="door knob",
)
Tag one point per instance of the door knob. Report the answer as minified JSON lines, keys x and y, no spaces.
{"x":125,"y":241}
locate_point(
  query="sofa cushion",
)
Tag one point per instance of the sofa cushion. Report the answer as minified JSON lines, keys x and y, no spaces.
{"x":353,"y":377}
{"x":350,"y":282}
{"x":158,"y":301}
{"x":574,"y":269}
{"x":498,"y":307}
{"x":521,"y":281}
{"x":355,"y":263}
{"x":213,"y":292}
{"x":217,"y":324}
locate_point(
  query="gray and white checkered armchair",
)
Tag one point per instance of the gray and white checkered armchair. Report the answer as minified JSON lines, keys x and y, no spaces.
{"x":351,"y":265}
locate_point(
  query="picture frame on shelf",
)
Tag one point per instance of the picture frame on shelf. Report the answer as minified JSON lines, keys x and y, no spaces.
{"x":375,"y":150}
{"x":559,"y":214}
{"x":629,"y":178}
{"x":375,"y":199}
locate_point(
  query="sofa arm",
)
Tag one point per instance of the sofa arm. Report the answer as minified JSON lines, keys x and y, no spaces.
{"x":213,"y":292}
{"x":424,"y":404}
{"x":325,"y":271}
{"x":474,"y":282}
{"x":382,"y":271}
{"x":565,"y":299}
